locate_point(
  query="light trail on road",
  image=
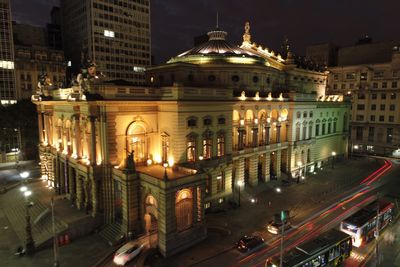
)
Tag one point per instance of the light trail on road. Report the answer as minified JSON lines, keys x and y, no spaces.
{"x":311,"y":228}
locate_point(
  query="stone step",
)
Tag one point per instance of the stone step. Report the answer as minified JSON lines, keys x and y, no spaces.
{"x":111,"y":233}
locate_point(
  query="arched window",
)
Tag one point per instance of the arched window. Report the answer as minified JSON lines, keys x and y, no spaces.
{"x":207,"y":121}
{"x":308,"y":156}
{"x":329,"y":126}
{"x":221,"y":144}
{"x":323,"y":127}
{"x":317,"y":127}
{"x":184,"y":209}
{"x":191,"y":147}
{"x":310,"y":130}
{"x":334,"y":125}
{"x":137,"y":142}
{"x":298,"y":115}
{"x":192,"y":122}
{"x":304,"y":131}
{"x":207,"y":145}
{"x":297,"y":132}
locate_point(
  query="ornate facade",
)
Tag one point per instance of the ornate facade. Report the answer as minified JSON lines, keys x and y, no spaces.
{"x":155,"y":158}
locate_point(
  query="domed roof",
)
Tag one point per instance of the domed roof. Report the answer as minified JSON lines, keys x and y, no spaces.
{"x":216,"y":48}
{"x":216,"y":44}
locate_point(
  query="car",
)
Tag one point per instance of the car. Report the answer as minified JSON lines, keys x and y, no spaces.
{"x":127,"y":252}
{"x":247,"y":243}
{"x":276,"y":227}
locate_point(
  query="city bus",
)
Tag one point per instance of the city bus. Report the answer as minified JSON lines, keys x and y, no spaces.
{"x":362,"y":224}
{"x":329,"y":249}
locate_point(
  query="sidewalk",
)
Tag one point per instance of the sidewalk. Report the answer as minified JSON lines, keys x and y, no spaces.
{"x":302,"y":200}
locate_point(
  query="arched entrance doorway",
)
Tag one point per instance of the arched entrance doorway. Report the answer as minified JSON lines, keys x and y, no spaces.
{"x":151,"y":219}
{"x":184,"y":209}
{"x":137,"y":141}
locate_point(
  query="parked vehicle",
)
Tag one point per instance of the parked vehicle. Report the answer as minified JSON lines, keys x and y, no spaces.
{"x":127,"y":252}
{"x":248,"y":243}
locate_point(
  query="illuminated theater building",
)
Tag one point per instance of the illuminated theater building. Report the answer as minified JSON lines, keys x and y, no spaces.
{"x":155,"y":158}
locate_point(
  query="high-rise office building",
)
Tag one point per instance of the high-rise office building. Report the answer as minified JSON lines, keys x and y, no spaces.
{"x":114,"y":34}
{"x":7,"y":75}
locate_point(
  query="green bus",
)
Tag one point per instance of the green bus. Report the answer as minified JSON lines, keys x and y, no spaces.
{"x":329,"y":249}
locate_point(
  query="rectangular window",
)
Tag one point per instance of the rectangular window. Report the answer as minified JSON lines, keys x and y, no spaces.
{"x":371,"y":133}
{"x":374,"y":96}
{"x":373,"y":107}
{"x":207,"y":146}
{"x":335,"y":77}
{"x":334,"y":126}
{"x":394,"y":84}
{"x":378,"y":74}
{"x":392,"y":107}
{"x":351,"y":86}
{"x":382,"y":107}
{"x":360,"y":107}
{"x":359,"y":117}
{"x":375,"y":85}
{"x":391,"y":118}
{"x":317,"y":130}
{"x":364,"y":76}
{"x":329,"y":127}
{"x":395,"y":73}
{"x":108,"y":33}
{"x":383,"y":96}
{"x":393,"y":96}
{"x":343,"y":86}
{"x":323,"y":128}
{"x":389,"y":135}
{"x":372,"y":118}
{"x":191,"y":149}
{"x":221,"y":182}
{"x":350,"y":75}
{"x":361,"y":96}
{"x":381,"y":118}
{"x":384,"y":85}
{"x":221,"y":145}
{"x":335,"y":86}
{"x":359,"y":133}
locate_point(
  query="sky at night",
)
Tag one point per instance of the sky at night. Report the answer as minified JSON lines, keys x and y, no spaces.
{"x":176,"y":22}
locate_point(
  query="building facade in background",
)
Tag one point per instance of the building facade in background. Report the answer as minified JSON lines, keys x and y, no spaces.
{"x":114,"y":34}
{"x":155,"y":158}
{"x":8,"y":94}
{"x":34,"y":57}
{"x":370,"y":74}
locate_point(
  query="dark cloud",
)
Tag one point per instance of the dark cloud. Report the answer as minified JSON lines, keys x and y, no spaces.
{"x":176,"y":22}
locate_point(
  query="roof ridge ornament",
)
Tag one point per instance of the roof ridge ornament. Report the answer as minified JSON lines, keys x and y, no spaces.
{"x":247,"y":35}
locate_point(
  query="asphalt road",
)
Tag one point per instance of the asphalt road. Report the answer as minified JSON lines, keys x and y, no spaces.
{"x":346,"y":204}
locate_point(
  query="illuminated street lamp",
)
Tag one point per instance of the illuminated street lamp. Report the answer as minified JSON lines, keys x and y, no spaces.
{"x":333,"y":158}
{"x":165,"y":165}
{"x":278,"y":190}
{"x":240,"y":184}
{"x":30,"y":244}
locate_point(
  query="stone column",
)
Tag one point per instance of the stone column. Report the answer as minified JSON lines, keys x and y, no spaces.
{"x":267,"y":134}
{"x":77,"y":138}
{"x":266,"y":166}
{"x":278,"y":133}
{"x":194,"y":195}
{"x":130,"y":204}
{"x":240,"y":137}
{"x":255,"y":137}
{"x":278,"y":164}
{"x":79,"y":192}
{"x":253,"y":170}
{"x":239,"y":176}
{"x":166,"y":221}
{"x":92,"y":140}
{"x":40,"y":124}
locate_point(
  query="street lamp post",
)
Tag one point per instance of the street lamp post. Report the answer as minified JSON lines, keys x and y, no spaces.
{"x":299,"y":170}
{"x":377,"y":233}
{"x":30,"y":244}
{"x":240,"y":184}
{"x":55,"y":241}
{"x":284,"y":216}
{"x":333,"y":158}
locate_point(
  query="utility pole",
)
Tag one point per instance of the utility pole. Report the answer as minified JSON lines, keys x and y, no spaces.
{"x":377,"y":233}
{"x":284,"y":216}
